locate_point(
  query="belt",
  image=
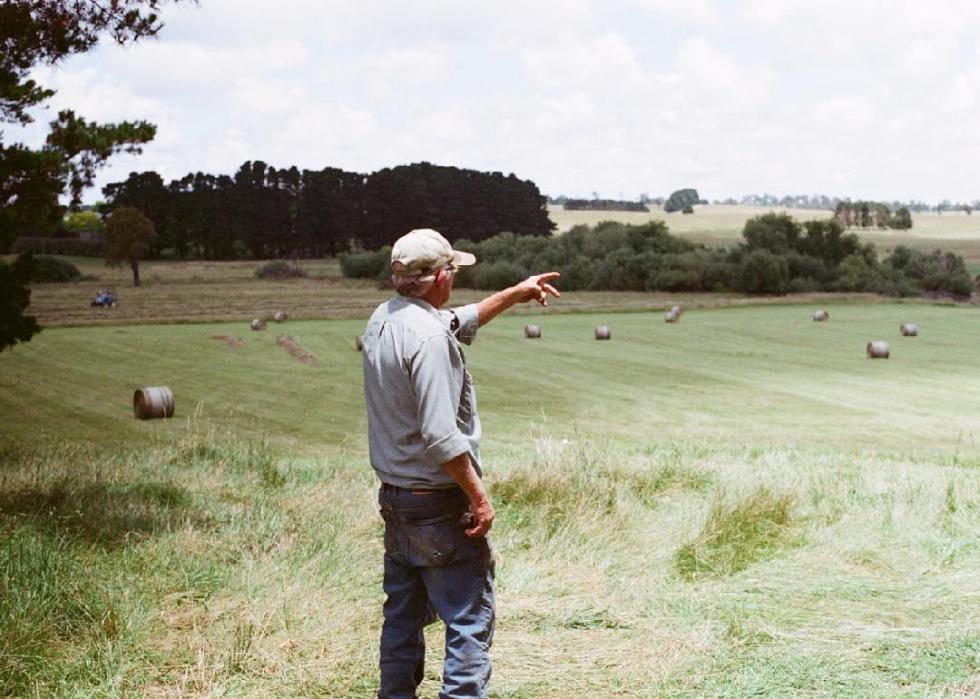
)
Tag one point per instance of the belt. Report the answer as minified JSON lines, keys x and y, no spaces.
{"x":389,"y":488}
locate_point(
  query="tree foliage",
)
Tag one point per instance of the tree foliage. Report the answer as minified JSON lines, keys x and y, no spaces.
{"x":47,"y":269}
{"x":603,"y":205}
{"x":85,"y":224}
{"x":45,"y":32}
{"x":127,"y":237}
{"x":15,"y":296}
{"x":263,"y":211}
{"x":86,"y":146}
{"x":872,"y":214}
{"x":682,"y":199}
{"x":778,"y":256}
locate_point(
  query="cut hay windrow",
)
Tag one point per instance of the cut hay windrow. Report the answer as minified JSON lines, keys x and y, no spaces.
{"x":296,"y":350}
{"x":230,"y":340}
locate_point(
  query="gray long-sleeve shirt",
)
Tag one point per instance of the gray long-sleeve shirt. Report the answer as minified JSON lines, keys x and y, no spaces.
{"x":420,"y":401}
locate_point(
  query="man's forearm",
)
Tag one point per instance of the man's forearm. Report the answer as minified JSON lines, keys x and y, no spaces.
{"x":492,"y":306}
{"x":462,"y":471}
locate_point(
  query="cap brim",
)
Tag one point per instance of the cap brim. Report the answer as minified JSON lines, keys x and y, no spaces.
{"x":463,"y":259}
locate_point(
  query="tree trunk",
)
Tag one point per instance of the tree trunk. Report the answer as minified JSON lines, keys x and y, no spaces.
{"x":135,"y":265}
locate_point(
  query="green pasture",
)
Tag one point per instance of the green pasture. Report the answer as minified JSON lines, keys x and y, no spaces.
{"x":753,"y":375}
{"x":739,"y":504}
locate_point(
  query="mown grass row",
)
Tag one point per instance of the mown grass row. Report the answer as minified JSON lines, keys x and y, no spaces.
{"x":227,"y":567}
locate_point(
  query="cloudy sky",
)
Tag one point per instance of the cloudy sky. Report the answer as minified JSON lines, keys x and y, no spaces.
{"x":862,"y":98}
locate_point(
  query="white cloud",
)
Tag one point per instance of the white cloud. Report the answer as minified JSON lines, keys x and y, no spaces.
{"x":848,"y":97}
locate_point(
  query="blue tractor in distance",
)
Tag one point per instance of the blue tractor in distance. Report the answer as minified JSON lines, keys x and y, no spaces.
{"x":105,"y":299}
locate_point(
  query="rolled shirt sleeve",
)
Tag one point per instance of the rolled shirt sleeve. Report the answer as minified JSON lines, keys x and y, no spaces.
{"x":468,"y":318}
{"x":438,"y":377}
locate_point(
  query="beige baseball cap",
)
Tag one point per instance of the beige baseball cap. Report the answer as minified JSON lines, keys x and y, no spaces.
{"x":424,"y":251}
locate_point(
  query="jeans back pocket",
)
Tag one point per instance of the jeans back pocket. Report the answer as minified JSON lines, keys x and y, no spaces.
{"x":433,"y":541}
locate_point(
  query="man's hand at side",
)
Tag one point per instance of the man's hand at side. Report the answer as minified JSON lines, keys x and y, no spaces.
{"x":462,"y":471}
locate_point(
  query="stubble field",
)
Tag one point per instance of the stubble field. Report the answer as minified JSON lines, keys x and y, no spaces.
{"x":739,"y":504}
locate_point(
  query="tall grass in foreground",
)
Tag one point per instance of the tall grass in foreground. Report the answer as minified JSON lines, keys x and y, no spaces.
{"x":209,"y":567}
{"x":736,"y":535}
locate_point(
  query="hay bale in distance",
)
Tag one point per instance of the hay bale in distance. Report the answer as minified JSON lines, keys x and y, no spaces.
{"x":532,"y":331}
{"x":359,"y":342}
{"x":878,"y":349}
{"x":258,"y":324}
{"x":602,"y":332}
{"x":153,"y":402}
{"x":910,"y":329}
{"x":671,"y":316}
{"x":281,"y":317}
{"x":821,"y":315}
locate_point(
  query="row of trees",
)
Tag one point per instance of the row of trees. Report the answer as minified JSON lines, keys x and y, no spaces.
{"x":822,"y":201}
{"x":778,"y":255}
{"x":603,"y":205}
{"x":871,"y":214}
{"x":263,"y":211}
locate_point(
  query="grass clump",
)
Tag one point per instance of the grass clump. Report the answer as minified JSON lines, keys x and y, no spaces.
{"x":48,"y":597}
{"x":583,"y":488}
{"x":736,"y":535}
{"x":204,"y":449}
{"x":280,"y":269}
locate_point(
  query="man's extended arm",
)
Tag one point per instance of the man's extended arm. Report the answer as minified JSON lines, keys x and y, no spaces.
{"x":534,"y":288}
{"x":462,"y":471}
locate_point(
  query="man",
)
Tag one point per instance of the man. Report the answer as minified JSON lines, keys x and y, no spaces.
{"x":424,"y":441}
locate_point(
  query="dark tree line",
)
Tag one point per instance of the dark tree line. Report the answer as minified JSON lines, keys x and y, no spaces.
{"x":604,"y":205}
{"x":265,"y":212}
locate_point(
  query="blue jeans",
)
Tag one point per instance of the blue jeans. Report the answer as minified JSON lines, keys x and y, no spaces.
{"x":432,"y":568}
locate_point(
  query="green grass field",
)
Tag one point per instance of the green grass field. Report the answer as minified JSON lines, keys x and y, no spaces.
{"x":739,"y":504}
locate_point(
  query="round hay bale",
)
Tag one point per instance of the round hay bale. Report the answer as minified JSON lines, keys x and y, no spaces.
{"x":602,"y":332}
{"x":359,"y":342}
{"x":878,"y":349}
{"x":671,"y":317}
{"x":258,"y":324}
{"x":532,"y":331}
{"x":281,"y":317}
{"x":821,"y":315}
{"x":153,"y":402}
{"x":910,"y":329}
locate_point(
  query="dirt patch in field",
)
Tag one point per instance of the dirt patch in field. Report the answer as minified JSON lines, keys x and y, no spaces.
{"x":235,"y":342}
{"x":296,"y":350}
